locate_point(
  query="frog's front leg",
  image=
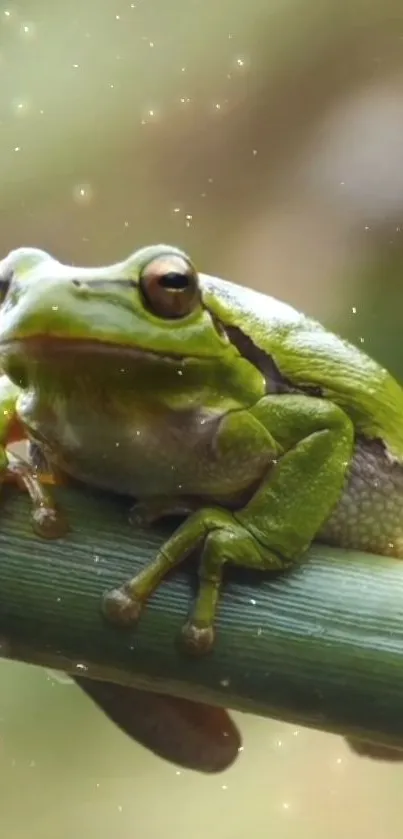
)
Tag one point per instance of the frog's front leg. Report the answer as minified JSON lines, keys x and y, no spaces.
{"x":47,"y":521}
{"x":275,"y":527}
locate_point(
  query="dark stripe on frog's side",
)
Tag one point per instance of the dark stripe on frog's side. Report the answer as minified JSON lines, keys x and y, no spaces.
{"x":275,"y":381}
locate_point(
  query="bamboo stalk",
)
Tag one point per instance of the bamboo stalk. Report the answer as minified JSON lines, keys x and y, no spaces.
{"x":320,"y":646}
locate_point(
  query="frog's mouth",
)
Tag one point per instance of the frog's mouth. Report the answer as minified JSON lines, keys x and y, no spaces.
{"x":45,"y":348}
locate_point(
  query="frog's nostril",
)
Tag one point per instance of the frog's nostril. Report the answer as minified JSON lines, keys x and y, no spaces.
{"x":81,"y":287}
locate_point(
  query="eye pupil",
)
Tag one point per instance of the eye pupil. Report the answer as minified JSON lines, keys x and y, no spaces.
{"x":173,"y":281}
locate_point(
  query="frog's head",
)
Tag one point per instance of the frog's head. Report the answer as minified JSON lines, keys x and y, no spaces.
{"x":151,"y":302}
{"x":149,"y":306}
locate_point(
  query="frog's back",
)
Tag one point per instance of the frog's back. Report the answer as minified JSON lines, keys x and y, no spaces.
{"x":307,"y":355}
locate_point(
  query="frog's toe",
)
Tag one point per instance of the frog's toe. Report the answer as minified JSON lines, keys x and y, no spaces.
{"x":48,"y":522}
{"x":196,"y":639}
{"x":120,"y":607}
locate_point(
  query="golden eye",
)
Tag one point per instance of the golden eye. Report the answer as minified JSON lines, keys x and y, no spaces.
{"x":5,"y":281}
{"x":170,"y":286}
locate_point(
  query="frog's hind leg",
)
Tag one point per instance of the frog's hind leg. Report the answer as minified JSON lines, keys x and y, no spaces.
{"x":232,"y":544}
{"x":284,"y":515}
{"x":221,"y":539}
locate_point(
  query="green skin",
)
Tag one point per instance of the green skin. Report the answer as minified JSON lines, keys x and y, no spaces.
{"x":266,"y":429}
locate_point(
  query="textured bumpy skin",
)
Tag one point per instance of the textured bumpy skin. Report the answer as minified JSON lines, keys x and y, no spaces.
{"x":369,"y":516}
{"x":197,"y":396}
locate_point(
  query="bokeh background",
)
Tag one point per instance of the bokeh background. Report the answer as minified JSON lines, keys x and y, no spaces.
{"x":266,"y":138}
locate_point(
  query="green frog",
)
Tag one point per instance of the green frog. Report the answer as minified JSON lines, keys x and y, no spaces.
{"x":202,"y":398}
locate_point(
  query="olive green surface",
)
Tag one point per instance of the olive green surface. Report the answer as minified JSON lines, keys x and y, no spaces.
{"x":321,"y":645}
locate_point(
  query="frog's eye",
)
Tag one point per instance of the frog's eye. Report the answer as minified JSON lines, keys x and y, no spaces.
{"x":6,"y":276}
{"x":170,"y":286}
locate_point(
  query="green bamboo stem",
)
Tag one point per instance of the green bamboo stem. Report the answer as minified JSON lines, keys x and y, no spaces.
{"x":320,"y":646}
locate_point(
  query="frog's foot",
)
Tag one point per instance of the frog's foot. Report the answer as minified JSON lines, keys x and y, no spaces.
{"x":146,"y":513}
{"x":196,"y":639}
{"x":47,"y":521}
{"x":121,"y":607}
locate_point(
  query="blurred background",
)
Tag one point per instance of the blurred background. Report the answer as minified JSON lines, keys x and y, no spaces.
{"x":266,"y":138}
